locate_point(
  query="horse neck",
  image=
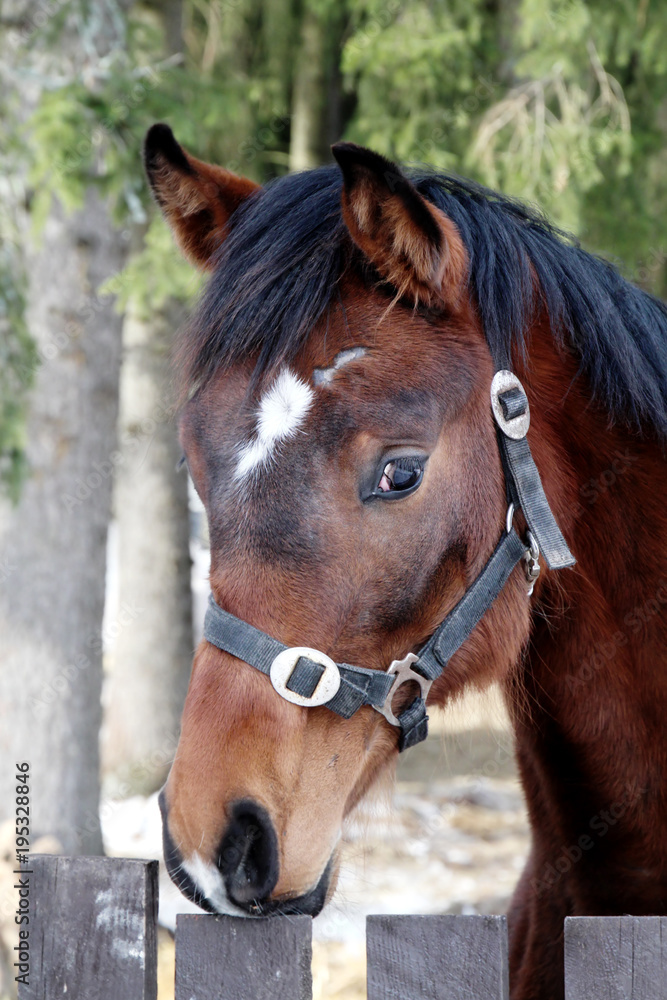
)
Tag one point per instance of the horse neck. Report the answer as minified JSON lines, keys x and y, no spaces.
{"x":596,"y":661}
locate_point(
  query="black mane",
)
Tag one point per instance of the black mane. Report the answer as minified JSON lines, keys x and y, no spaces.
{"x":279,"y":268}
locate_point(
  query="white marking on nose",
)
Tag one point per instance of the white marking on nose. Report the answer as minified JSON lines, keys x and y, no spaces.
{"x":282,"y":410}
{"x":211,"y":884}
{"x":324,"y":376}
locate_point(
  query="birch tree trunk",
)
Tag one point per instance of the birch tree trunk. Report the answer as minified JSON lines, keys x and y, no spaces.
{"x":149,"y":666}
{"x":53,"y":543}
{"x":150,"y":662}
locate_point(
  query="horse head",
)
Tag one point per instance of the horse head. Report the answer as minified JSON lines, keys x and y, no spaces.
{"x":336,"y":423}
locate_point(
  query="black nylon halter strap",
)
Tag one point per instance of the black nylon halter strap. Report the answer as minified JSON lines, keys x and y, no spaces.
{"x":527,"y":493}
{"x":474,"y":604}
{"x":509,"y":403}
{"x":457,"y":626}
{"x":358,"y":685}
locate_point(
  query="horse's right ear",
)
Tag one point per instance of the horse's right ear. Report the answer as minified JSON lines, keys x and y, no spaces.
{"x":196,"y":198}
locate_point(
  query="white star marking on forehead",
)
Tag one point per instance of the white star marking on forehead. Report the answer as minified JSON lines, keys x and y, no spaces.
{"x":281,"y":412}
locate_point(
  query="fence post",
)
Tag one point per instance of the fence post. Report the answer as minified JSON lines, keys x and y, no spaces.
{"x":437,"y":958}
{"x":92,"y":930}
{"x":225,"y":958}
{"x":616,"y":958}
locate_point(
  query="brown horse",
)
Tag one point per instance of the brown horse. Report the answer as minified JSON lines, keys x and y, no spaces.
{"x":336,"y":422}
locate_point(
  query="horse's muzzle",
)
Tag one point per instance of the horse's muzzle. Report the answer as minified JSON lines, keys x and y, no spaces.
{"x":247,"y":862}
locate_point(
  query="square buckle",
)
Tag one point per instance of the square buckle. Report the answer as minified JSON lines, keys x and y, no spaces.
{"x":516,"y":426}
{"x":282,"y":669}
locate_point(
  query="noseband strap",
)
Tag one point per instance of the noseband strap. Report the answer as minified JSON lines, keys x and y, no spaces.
{"x":309,"y":678}
{"x":358,"y":685}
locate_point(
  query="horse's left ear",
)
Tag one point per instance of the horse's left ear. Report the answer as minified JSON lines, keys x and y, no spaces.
{"x":410,"y":241}
{"x":196,"y":198}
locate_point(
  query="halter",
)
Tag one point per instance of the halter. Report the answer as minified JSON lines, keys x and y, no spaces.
{"x":307,"y":677}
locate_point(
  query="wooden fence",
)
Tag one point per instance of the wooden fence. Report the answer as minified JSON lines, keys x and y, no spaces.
{"x":92,"y":936}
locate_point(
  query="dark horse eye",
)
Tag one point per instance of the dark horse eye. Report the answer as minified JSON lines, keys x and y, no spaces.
{"x":401,"y":475}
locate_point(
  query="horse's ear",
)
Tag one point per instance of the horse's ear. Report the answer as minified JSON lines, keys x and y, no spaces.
{"x":410,"y":241}
{"x":196,"y":198}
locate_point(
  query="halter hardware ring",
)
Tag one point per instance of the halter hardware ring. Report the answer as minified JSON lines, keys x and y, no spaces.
{"x":531,"y":560}
{"x":404,"y":672}
{"x":283,"y":667}
{"x":531,"y":556}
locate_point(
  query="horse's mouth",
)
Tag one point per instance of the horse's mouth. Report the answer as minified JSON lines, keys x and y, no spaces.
{"x":204,"y":885}
{"x":310,"y":904}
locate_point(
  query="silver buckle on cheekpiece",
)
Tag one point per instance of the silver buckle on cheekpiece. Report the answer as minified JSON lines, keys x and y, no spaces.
{"x":515,"y":427}
{"x":404,"y":672}
{"x":282,"y":669}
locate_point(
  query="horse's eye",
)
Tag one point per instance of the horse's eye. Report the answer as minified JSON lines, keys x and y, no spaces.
{"x":402,"y":475}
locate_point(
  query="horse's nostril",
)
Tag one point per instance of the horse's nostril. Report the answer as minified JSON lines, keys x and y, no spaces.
{"x":248,"y":855}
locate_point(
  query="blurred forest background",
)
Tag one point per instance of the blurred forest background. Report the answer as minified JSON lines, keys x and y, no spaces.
{"x":559,"y":102}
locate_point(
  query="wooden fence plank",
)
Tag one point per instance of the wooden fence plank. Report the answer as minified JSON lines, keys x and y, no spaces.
{"x":437,"y":958}
{"x":92,"y":929}
{"x":225,"y":958}
{"x":616,"y":958}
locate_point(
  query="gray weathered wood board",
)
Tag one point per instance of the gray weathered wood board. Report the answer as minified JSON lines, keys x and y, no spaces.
{"x":92,"y":929}
{"x":225,"y":958}
{"x":616,"y":958}
{"x":437,"y":958}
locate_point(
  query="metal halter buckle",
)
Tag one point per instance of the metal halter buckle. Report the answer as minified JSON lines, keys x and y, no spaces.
{"x":531,"y":556}
{"x":404,"y":672}
{"x":531,"y":560}
{"x":282,"y":669}
{"x":516,"y":426}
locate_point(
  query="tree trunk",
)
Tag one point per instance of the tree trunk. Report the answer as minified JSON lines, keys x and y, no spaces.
{"x":149,"y":666}
{"x":150,"y":659}
{"x":53,"y":544}
{"x":316,"y":71}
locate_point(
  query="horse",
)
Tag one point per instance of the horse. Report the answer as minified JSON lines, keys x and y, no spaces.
{"x":340,"y":388}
